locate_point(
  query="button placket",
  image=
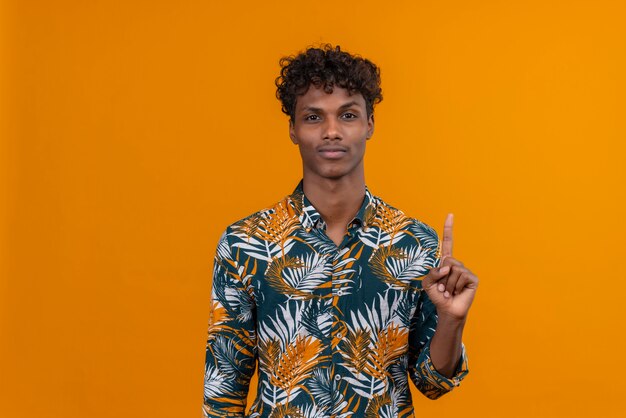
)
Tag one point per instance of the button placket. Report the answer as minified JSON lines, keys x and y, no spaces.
{"x":336,"y":332}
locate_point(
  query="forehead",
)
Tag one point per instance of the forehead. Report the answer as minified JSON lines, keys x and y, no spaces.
{"x":318,"y":98}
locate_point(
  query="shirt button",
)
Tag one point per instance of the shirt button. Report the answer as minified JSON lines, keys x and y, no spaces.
{"x":339,"y":292}
{"x":337,"y":377}
{"x":339,"y":335}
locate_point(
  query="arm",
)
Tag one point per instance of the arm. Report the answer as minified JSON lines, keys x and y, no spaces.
{"x":447,"y":294}
{"x":231,"y":344}
{"x":446,"y":345}
{"x":452,"y":288}
{"x":425,"y":343}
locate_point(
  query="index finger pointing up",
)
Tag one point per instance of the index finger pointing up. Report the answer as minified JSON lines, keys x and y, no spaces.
{"x":446,"y":246}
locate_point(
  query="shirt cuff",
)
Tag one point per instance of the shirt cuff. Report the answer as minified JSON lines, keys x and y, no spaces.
{"x":436,"y":379}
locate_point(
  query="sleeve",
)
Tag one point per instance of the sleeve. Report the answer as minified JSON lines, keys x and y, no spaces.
{"x":231,"y":345}
{"x":426,"y":378}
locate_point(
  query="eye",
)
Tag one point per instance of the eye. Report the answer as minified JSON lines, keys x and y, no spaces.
{"x":311,"y":117}
{"x":349,"y":115}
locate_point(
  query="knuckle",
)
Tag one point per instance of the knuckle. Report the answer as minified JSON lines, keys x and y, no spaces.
{"x":454,"y":261}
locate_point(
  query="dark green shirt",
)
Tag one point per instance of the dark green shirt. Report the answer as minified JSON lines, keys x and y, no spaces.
{"x":337,"y":330}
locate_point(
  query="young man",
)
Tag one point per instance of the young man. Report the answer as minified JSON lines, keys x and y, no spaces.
{"x":339,"y":296}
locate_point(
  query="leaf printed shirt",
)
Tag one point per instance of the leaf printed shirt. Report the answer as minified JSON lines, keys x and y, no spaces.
{"x":337,"y":331}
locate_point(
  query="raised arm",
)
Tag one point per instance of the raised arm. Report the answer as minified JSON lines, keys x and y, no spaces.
{"x":451,"y":287}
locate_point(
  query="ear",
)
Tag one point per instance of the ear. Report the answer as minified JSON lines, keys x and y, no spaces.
{"x":370,"y":126}
{"x":292,"y":132}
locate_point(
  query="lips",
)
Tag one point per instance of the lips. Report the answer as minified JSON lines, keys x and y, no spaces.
{"x":332,"y":152}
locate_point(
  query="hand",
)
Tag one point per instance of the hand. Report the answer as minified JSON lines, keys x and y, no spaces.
{"x":451,"y":286}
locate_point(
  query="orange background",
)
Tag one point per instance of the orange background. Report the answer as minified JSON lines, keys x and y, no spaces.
{"x":134,"y":132}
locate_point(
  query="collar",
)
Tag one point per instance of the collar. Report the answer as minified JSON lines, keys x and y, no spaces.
{"x":310,"y":218}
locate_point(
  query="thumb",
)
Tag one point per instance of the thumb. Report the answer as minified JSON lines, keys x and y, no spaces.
{"x":434,"y":275}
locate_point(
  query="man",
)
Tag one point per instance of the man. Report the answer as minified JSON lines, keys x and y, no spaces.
{"x":339,"y":296}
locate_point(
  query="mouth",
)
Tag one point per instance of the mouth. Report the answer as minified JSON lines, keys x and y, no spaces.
{"x":332,"y":153}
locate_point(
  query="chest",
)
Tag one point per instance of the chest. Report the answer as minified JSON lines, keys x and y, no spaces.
{"x":339,"y":281}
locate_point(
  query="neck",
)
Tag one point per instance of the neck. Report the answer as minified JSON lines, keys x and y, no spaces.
{"x":337,"y":201}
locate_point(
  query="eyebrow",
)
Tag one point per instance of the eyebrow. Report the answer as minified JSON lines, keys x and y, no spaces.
{"x":343,"y":106}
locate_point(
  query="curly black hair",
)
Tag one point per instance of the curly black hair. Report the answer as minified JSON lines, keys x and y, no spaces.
{"x":326,"y":67}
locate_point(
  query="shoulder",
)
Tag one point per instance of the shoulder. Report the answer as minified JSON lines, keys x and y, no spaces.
{"x":250,"y":225}
{"x":389,"y":216}
{"x":264,"y":214}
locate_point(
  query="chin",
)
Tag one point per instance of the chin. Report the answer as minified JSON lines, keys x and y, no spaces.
{"x":333,"y":171}
{"x":335,"y":174}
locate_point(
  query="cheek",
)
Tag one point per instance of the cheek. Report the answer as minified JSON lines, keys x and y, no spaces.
{"x":361,"y":147}
{"x":307,"y":151}
{"x":305,"y":136}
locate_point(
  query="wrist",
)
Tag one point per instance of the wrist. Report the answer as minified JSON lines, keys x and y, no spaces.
{"x":452,"y":321}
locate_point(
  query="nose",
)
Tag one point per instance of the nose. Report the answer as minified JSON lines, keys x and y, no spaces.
{"x":331,"y":129}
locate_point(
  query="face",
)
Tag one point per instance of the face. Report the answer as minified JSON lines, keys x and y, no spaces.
{"x":331,"y":131}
